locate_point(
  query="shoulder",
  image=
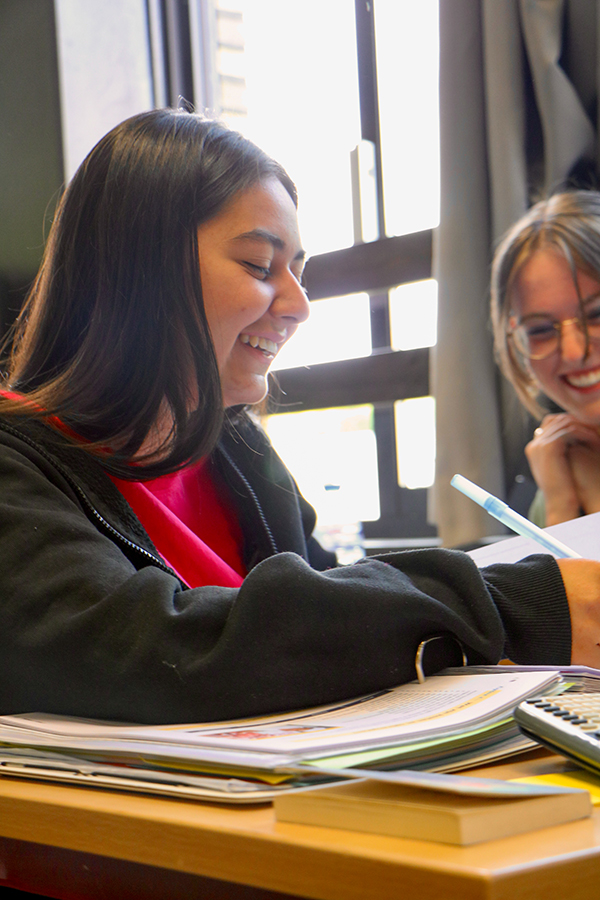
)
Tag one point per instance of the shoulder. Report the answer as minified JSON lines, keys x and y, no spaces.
{"x":41,"y":456}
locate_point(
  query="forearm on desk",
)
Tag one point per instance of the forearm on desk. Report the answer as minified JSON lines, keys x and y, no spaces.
{"x":85,"y":630}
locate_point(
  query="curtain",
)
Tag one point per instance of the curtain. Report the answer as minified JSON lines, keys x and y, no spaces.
{"x":518,"y":96}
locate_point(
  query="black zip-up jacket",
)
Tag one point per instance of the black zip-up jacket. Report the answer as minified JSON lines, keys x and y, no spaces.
{"x":93,"y":623}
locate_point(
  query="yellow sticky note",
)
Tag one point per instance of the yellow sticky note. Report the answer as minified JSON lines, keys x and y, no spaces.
{"x":577,"y":779}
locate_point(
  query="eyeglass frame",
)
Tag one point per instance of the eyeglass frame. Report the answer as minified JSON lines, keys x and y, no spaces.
{"x":581,"y":321}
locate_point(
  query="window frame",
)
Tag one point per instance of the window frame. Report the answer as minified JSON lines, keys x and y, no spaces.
{"x":182,"y":35}
{"x":387,"y":375}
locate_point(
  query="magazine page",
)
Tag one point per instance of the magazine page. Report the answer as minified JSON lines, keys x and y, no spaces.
{"x":443,"y":705}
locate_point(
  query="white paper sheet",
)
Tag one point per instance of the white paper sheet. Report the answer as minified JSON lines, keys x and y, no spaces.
{"x":582,"y":535}
{"x":444,"y":705}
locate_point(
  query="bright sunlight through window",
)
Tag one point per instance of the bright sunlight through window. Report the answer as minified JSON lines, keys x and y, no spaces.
{"x":322,"y":339}
{"x":413,"y":315}
{"x":416,"y":457}
{"x":341,"y":480}
{"x":293,"y":89}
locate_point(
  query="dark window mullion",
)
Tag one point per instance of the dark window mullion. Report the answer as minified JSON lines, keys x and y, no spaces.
{"x":372,"y":267}
{"x":176,"y":25}
{"x":368,"y":93}
{"x":381,"y":337}
{"x":391,"y":521}
{"x":385,"y":434}
{"x":380,"y":378}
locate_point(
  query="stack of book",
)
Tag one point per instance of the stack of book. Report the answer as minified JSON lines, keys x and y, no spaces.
{"x":450,"y":722}
{"x":447,"y":808}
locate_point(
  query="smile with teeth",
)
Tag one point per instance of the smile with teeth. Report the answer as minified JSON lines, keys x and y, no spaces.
{"x":268,"y":347}
{"x":583,"y":379}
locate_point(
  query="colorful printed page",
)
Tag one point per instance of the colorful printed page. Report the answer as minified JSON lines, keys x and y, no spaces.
{"x":444,"y":705}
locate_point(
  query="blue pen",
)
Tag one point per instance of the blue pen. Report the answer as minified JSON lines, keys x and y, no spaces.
{"x":502,"y":511}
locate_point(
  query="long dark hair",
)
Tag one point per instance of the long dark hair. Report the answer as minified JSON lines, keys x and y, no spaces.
{"x":113,"y":333}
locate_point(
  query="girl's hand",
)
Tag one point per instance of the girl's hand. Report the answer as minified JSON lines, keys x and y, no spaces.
{"x":565,"y":478}
{"x":584,"y":459}
{"x":581,"y":578}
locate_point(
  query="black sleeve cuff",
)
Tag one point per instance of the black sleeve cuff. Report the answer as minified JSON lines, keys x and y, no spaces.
{"x":532,"y":601}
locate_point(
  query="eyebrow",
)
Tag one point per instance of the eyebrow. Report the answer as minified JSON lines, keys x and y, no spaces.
{"x":263,"y":236}
{"x":547,"y":315}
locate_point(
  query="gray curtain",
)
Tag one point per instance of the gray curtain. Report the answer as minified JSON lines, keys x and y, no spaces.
{"x":518,"y":97}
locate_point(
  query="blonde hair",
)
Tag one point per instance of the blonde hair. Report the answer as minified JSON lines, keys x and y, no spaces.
{"x":570,"y":224}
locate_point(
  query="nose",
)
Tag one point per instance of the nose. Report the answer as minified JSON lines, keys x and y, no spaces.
{"x":573,"y":343}
{"x":291,"y":301}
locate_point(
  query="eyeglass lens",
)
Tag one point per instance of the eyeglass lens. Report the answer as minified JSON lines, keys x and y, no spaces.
{"x":539,"y":336}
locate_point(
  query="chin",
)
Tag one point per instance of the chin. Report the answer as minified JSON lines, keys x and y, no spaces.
{"x":589,"y":416}
{"x":247,"y":396}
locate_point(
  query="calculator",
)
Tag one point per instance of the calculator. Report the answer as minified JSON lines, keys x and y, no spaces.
{"x":568,"y":724}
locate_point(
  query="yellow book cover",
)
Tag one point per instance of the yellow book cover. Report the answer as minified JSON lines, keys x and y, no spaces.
{"x":404,"y":811}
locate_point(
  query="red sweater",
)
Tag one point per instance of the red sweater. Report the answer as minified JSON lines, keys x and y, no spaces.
{"x":191,"y":523}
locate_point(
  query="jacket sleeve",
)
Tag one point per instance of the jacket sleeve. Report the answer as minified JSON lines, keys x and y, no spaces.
{"x":84,"y":631}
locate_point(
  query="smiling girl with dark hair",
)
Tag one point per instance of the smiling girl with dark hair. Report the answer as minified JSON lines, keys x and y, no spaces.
{"x":114,"y":332}
{"x":157,"y":562}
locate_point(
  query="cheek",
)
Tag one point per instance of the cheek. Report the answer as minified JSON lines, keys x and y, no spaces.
{"x":544,"y":375}
{"x":243,"y":298}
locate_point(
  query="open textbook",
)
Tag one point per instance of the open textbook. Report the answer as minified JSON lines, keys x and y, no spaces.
{"x":448,"y":723}
{"x":582,"y":535}
{"x":453,"y":721}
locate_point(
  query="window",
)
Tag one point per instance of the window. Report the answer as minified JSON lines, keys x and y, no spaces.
{"x":341,"y":481}
{"x":345,"y":96}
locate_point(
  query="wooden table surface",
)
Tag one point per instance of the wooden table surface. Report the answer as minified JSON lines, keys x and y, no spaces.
{"x":72,"y":842}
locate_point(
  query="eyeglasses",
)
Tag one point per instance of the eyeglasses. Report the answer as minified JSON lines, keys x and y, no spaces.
{"x":539,"y":336}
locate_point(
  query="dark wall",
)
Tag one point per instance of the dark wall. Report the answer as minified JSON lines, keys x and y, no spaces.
{"x":31,"y":170}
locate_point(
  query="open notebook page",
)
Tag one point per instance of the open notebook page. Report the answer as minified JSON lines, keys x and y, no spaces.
{"x":582,"y":535}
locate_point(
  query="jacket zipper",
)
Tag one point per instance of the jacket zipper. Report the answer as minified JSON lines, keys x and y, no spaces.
{"x":255,"y":499}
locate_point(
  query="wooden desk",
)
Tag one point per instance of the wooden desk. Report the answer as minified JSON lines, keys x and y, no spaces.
{"x":73,"y":842}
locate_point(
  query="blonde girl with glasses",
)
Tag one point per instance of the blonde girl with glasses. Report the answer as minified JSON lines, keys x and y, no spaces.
{"x":546,"y":318}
